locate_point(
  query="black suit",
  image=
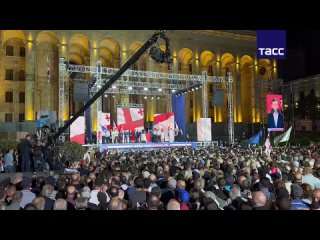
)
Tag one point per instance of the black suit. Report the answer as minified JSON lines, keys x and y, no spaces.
{"x":271,"y":121}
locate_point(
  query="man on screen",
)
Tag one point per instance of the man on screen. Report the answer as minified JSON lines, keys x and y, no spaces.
{"x":275,"y":117}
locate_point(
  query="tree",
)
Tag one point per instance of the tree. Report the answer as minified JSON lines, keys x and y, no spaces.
{"x":72,"y":151}
{"x":8,"y":144}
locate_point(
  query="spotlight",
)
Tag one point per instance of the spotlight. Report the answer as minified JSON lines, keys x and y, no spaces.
{"x":113,"y":96}
{"x":192,"y":89}
{"x":160,"y":90}
{"x":173,"y":90}
{"x":145,"y":89}
{"x":196,"y":88}
{"x":114,"y":87}
{"x":145,"y":97}
{"x":152,"y":98}
{"x":189,"y":90}
{"x":158,"y":98}
{"x":105,"y":95}
{"x":130,"y":88}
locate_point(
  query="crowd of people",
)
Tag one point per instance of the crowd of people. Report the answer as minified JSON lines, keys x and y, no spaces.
{"x":207,"y":178}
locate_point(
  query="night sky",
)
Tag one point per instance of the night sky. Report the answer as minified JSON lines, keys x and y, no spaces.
{"x":303,"y":55}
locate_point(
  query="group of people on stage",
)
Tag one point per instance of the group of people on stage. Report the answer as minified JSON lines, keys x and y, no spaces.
{"x":138,"y":135}
{"x":125,"y":136}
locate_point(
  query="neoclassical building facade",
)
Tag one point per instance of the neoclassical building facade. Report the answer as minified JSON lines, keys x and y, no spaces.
{"x":24,"y":57}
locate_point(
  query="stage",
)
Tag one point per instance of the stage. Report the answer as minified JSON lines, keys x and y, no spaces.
{"x":149,"y":146}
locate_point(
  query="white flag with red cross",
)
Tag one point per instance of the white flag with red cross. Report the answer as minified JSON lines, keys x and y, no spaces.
{"x":165,"y":122}
{"x":103,"y":124}
{"x":130,"y":119}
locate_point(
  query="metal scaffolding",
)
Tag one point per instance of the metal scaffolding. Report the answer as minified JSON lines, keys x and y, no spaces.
{"x":205,"y":96}
{"x":63,"y":78}
{"x":230,"y":108}
{"x":148,"y":87}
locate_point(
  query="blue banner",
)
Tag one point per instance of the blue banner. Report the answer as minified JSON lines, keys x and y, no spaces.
{"x":178,"y":107}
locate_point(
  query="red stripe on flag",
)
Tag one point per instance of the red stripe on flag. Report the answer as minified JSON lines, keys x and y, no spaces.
{"x":162,"y":117}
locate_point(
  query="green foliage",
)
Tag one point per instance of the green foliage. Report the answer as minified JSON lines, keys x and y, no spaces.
{"x":72,"y":151}
{"x":8,"y":144}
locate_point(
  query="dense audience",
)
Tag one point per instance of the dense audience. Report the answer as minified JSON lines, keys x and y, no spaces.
{"x":221,"y":178}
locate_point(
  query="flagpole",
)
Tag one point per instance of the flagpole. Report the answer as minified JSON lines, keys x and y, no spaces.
{"x":293,"y":117}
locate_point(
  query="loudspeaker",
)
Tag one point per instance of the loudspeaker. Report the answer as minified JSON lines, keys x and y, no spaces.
{"x":80,"y":91}
{"x":217,"y":98}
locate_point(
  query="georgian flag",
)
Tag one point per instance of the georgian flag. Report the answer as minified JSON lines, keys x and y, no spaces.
{"x":103,"y":124}
{"x":130,"y":119}
{"x":268,"y":145}
{"x":164,"y":121}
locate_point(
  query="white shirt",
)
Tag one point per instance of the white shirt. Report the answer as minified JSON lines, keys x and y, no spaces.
{"x":86,"y":157}
{"x":27,"y":197}
{"x":275,"y":117}
{"x":94,"y":197}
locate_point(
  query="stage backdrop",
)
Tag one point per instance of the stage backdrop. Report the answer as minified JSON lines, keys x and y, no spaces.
{"x":130,"y":119}
{"x":103,"y":124}
{"x":178,"y":107}
{"x":275,"y":113}
{"x":164,"y":121}
{"x":204,"y":129}
{"x":77,"y":130}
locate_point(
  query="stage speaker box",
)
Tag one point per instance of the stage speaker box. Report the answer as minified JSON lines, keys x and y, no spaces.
{"x":80,"y":91}
{"x":217,"y":98}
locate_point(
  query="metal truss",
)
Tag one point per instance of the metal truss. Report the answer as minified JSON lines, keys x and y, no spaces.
{"x":131,"y":105}
{"x":149,"y":85}
{"x":97,"y":72}
{"x":63,"y":78}
{"x":230,"y":109}
{"x":205,"y":96}
{"x":135,"y":92}
{"x":145,"y":74}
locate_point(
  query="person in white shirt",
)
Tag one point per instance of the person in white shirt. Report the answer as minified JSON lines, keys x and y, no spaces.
{"x":162,"y":135}
{"x":99,"y":187}
{"x":86,"y":156}
{"x":27,"y":196}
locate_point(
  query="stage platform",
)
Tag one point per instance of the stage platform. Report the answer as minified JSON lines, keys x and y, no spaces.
{"x":149,"y":146}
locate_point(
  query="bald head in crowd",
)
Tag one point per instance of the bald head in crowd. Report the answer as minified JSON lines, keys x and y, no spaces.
{"x":75,"y":178}
{"x":71,"y":191}
{"x":259,"y":199}
{"x":60,"y":204}
{"x":39,"y":202}
{"x":115,"y":204}
{"x":153,"y":178}
{"x":181,"y":184}
{"x":316,"y":195}
{"x":173,"y":205}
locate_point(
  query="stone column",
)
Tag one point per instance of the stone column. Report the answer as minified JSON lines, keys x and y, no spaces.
{"x":94,"y":57}
{"x":30,"y":59}
{"x":63,"y":53}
